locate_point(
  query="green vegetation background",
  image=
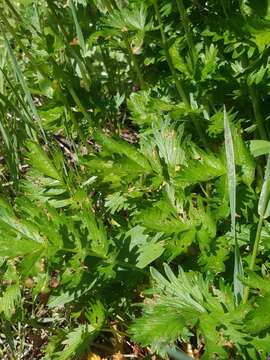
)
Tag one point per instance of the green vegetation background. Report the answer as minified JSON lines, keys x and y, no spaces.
{"x":135,"y":179}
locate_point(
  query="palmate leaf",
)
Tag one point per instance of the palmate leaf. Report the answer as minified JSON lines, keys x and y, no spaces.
{"x":159,"y":326}
{"x":167,"y":316}
{"x":121,"y":147}
{"x":148,"y":248}
{"x":76,"y":343}
{"x":96,"y":232}
{"x":200,"y":166}
{"x":44,"y":181}
{"x":168,"y":141}
{"x":176,"y":306}
{"x":9,"y":300}
{"x":256,"y":321}
{"x":18,"y":236}
{"x":162,"y":219}
{"x":39,"y":160}
{"x":113,"y":171}
{"x":190,"y":302}
{"x":146,"y":109}
{"x":134,"y":19}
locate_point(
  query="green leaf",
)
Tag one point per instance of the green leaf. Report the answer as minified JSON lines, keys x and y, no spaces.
{"x":41,"y":162}
{"x":256,"y":320}
{"x":24,"y":86}
{"x":259,"y":147}
{"x":78,"y":28}
{"x":264,"y":204}
{"x":243,"y":158}
{"x":238,"y":267}
{"x":121,"y":147}
{"x":9,"y":300}
{"x":76,"y":343}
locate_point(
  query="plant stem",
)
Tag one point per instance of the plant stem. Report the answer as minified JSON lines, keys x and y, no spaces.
{"x":12,"y":8}
{"x":178,"y":84}
{"x":134,"y":61}
{"x":257,"y":112}
{"x":255,"y":104}
{"x":187,"y":27}
{"x":254,"y":254}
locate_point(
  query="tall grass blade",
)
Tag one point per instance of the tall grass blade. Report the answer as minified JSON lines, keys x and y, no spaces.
{"x":238,"y":267}
{"x":24,"y":86}
{"x":11,"y":153}
{"x":264,"y":204}
{"x":78,"y":29}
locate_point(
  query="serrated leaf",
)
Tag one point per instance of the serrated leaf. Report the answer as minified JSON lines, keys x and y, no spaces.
{"x":121,"y":147}
{"x":76,"y":342}
{"x":9,"y":300}
{"x":41,"y":162}
{"x":257,"y":321}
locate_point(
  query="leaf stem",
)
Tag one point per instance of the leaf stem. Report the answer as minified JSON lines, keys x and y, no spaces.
{"x":257,"y":112}
{"x":254,"y":254}
{"x":259,"y":120}
{"x":178,"y":84}
{"x":187,"y":27}
{"x":134,"y":61}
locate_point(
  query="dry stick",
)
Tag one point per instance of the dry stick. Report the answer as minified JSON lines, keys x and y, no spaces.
{"x":179,"y":87}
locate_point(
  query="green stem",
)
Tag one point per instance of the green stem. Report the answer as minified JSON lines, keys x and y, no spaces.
{"x":12,"y":8}
{"x":134,"y":61}
{"x":255,"y":104}
{"x":254,"y":254}
{"x":187,"y":27}
{"x":110,"y":71}
{"x":257,"y":112}
{"x":178,"y":84}
{"x":78,"y":103}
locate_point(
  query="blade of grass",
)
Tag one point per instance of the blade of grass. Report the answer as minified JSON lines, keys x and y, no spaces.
{"x":24,"y":86}
{"x":30,"y":126}
{"x":264,"y":212}
{"x":78,"y":28}
{"x":238,"y":267}
{"x":86,"y":72}
{"x":10,"y":153}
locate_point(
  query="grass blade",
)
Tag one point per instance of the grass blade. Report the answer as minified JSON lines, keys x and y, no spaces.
{"x":24,"y":86}
{"x":238,"y":267}
{"x":78,"y":29}
{"x":263,"y":206}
